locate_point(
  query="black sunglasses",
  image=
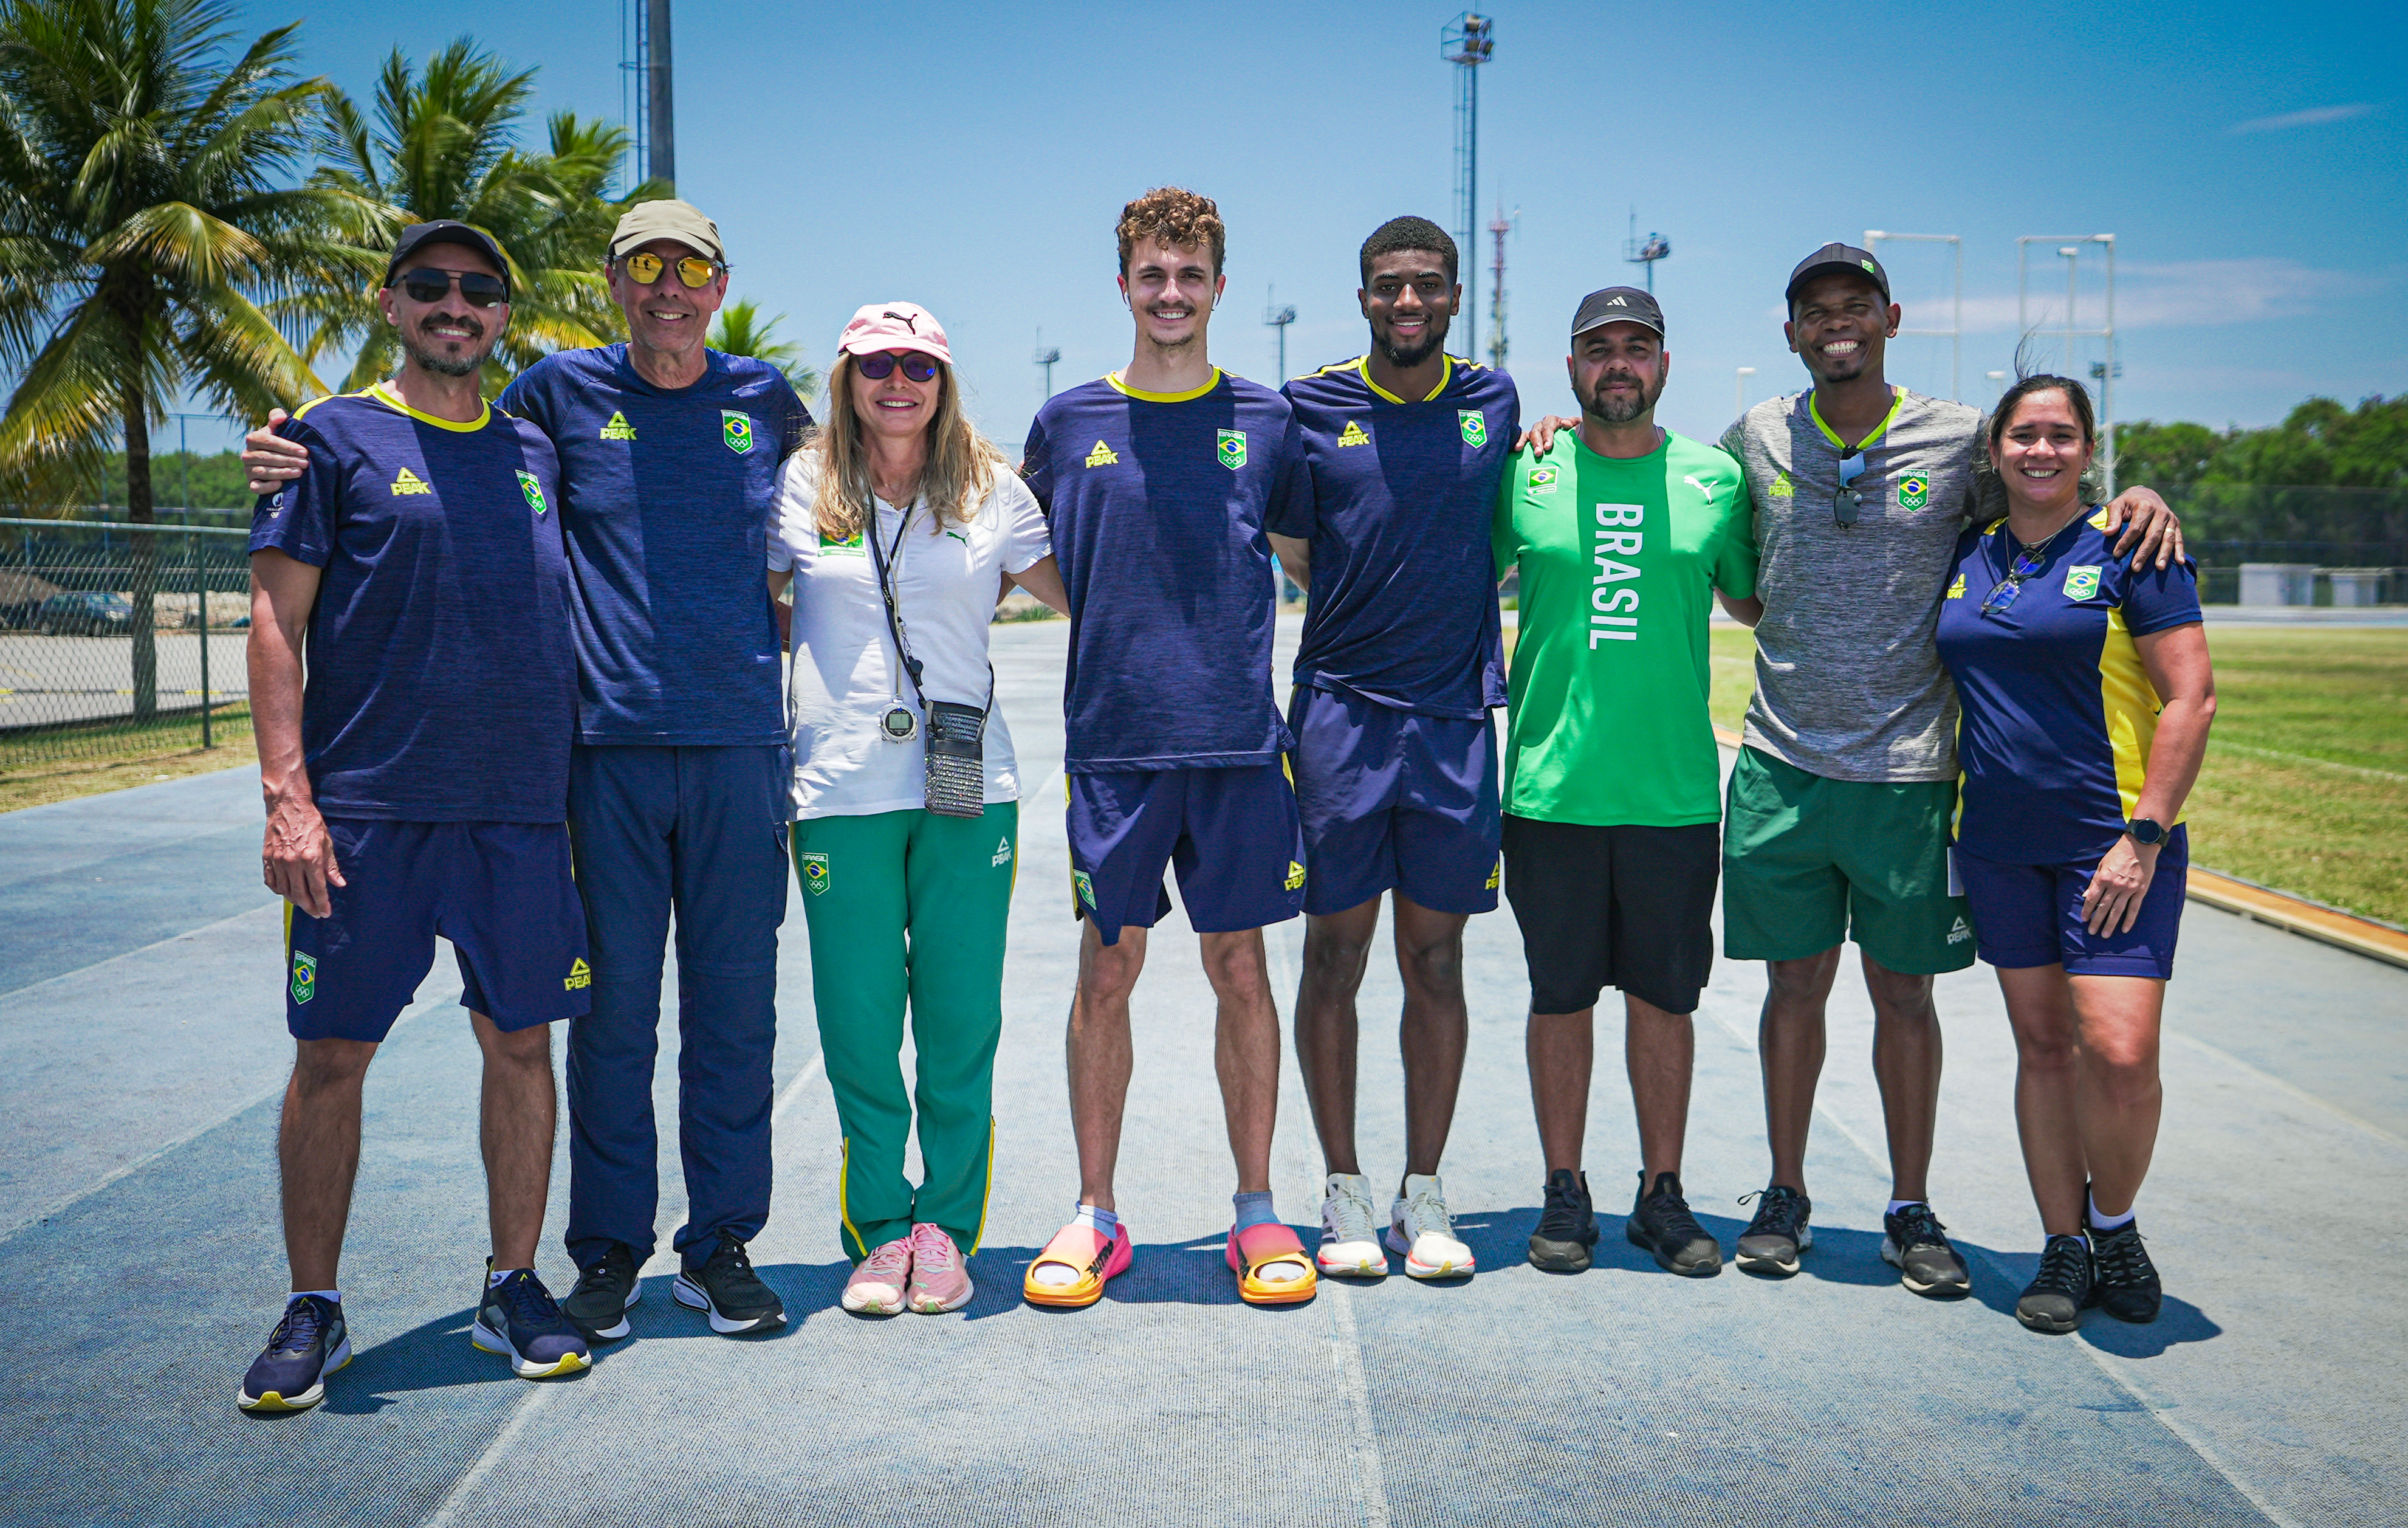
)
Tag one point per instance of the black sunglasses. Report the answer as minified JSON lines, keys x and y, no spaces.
{"x":877,"y":364}
{"x":477,"y":289}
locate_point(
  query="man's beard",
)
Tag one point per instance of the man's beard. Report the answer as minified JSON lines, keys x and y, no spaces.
{"x":1403,"y":359}
{"x":450,"y":365}
{"x":1597,"y":406}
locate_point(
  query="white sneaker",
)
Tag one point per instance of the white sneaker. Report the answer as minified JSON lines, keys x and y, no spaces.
{"x":1419,"y":1227}
{"x":1350,"y":1231}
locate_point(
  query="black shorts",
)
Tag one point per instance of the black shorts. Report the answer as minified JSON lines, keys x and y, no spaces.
{"x":1625,"y":907}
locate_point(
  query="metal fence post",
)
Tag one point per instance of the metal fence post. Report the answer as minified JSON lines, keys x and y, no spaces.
{"x":201,"y":589}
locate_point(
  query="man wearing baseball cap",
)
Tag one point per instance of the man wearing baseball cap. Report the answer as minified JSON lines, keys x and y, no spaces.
{"x":1840,"y":805}
{"x":668,"y":454}
{"x":1611,"y":796}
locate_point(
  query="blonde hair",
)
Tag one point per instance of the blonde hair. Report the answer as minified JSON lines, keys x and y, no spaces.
{"x":955,"y":480}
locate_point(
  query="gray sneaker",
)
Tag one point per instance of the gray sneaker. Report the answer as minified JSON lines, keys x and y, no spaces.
{"x":1916,"y":1244}
{"x":1773,"y":1240}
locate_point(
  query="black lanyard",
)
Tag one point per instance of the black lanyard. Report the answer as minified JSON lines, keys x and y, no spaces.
{"x":886,"y":562}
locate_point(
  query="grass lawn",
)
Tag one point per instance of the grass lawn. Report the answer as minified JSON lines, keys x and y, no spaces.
{"x":136,"y":756}
{"x":2306,"y":783}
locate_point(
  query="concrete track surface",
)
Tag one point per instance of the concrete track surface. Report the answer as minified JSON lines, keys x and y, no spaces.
{"x":141,"y":1041}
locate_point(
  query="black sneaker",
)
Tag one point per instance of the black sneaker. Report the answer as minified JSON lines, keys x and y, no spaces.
{"x":606,"y":1290}
{"x":1916,"y":1244}
{"x":2126,"y":1281}
{"x":1660,"y":1222}
{"x":518,"y":1318}
{"x":1772,"y":1240}
{"x":307,"y":1345}
{"x":1566,"y":1226}
{"x":2053,"y":1301}
{"x":725,"y":1287}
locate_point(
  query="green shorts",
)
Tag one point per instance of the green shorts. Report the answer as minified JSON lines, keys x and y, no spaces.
{"x":1808,"y":862}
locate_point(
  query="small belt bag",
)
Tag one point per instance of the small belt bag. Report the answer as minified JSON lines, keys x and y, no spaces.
{"x":955,"y":734}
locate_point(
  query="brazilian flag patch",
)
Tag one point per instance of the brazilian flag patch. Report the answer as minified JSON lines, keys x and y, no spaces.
{"x":1233,"y":449}
{"x":305,"y":978}
{"x":815,"y":872}
{"x":736,"y":428}
{"x":534,"y":491}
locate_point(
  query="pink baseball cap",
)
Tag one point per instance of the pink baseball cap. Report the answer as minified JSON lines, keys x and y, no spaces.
{"x":895,"y":325}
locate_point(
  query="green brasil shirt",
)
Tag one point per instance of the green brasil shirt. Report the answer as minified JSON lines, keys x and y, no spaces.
{"x":1619,"y":563}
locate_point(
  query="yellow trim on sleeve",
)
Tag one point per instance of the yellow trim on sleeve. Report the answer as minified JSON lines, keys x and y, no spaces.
{"x":1119,"y":386}
{"x":2128,"y":707}
{"x":384,"y":393}
{"x":1897,"y":401}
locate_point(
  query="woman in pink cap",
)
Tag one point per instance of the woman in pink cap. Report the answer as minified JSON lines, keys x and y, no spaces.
{"x":897,"y":526}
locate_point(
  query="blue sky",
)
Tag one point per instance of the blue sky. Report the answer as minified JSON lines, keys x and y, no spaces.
{"x":973,"y":158}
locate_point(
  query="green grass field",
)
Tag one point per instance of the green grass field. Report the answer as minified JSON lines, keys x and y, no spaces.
{"x":132,"y":756}
{"x":2306,"y":783}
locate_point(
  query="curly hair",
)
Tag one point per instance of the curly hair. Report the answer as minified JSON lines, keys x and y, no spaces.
{"x":1178,"y":218}
{"x":1409,"y":233}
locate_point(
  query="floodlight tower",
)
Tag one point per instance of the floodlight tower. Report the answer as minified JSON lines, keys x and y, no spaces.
{"x":1498,"y":229}
{"x":1279,"y":318}
{"x":1046,"y":355}
{"x":1955,"y":330}
{"x":1467,"y":43}
{"x":1645,"y":252}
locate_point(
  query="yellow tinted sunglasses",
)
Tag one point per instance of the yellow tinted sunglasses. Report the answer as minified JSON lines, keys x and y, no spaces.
{"x":644,"y":267}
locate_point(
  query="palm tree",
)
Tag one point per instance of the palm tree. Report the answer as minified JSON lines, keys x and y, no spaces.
{"x":444,"y":144}
{"x":140,"y":216}
{"x":742,"y":331}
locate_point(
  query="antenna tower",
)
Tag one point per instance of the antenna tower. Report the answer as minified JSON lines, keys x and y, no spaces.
{"x":1467,"y":43}
{"x":644,"y":99}
{"x":1645,"y":252}
{"x":1279,"y":317}
{"x":1498,"y":229}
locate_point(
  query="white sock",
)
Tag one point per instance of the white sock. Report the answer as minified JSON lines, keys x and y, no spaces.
{"x":1898,"y":1205}
{"x":333,"y":1296}
{"x":1104,"y":1223}
{"x":2109,"y":1222}
{"x":494,"y":1277}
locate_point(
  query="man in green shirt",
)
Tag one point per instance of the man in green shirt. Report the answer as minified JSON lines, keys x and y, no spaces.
{"x":1613,"y":782}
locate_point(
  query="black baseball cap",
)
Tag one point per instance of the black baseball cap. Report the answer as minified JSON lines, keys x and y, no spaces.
{"x":444,"y":231}
{"x":1618,"y":305}
{"x":1831,"y":257}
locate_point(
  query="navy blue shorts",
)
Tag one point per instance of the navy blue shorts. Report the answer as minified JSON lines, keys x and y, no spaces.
{"x":2031,"y":914}
{"x":500,"y":891}
{"x":1231,"y":833}
{"x":1395,"y":801}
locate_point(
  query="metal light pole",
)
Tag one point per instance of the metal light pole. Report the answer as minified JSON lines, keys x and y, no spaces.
{"x":1046,"y":355}
{"x":1955,"y":330}
{"x":1279,"y":318}
{"x":1500,"y":228}
{"x":2072,"y":258}
{"x":1739,"y":387}
{"x":656,"y":84}
{"x":1645,"y":252}
{"x":1467,"y":42}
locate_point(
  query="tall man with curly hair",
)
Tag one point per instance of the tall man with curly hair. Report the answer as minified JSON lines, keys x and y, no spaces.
{"x":1159,"y":481}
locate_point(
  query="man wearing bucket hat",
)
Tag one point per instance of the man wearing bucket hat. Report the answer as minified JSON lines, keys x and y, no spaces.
{"x":669,"y":454}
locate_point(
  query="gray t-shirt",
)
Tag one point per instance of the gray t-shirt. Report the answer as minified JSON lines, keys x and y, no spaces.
{"x":1848,"y":682}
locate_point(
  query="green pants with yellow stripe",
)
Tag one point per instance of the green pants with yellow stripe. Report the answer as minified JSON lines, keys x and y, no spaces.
{"x":906,"y":913}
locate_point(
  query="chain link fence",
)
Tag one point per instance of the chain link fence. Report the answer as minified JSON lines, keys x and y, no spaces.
{"x":117,"y":640}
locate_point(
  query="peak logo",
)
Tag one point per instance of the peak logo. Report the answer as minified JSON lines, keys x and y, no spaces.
{"x":1102,"y":456}
{"x":411,"y":482}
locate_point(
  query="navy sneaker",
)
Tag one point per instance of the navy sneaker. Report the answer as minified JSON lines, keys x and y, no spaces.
{"x":307,"y":1345}
{"x":725,"y":1287}
{"x":518,"y":1318}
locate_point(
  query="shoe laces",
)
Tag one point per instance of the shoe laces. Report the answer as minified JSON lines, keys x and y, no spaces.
{"x":1671,"y":1208}
{"x":1778,"y":1209}
{"x":1567,"y":1208}
{"x":1426,"y":1212}
{"x":1351,"y":1216}
{"x":299,"y":1328}
{"x":889,"y":1259}
{"x":530,"y":1303}
{"x":732,"y":1256}
{"x":2064,"y":1267}
{"x":2119,"y":1257}
{"x":932,"y":1250}
{"x":601,"y":1273}
{"x":1918,"y":1227}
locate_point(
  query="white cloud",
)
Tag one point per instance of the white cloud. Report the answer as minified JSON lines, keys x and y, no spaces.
{"x":2313,"y":117}
{"x":2189,"y":293}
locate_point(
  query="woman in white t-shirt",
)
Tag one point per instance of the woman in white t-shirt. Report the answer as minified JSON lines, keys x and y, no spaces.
{"x":898,"y":527}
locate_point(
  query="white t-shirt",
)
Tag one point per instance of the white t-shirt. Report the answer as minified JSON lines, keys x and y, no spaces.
{"x":845,"y":671}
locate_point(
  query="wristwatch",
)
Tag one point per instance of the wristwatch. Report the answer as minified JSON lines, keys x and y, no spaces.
{"x":2144,"y":831}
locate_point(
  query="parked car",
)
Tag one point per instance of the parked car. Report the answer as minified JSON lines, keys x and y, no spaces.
{"x":86,"y":612}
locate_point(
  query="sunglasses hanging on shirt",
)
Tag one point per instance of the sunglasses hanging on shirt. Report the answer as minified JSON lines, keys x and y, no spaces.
{"x":1844,"y":508}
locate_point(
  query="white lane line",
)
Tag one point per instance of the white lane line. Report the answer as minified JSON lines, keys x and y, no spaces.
{"x":446,"y":1511}
{"x":2279,"y":756}
{"x":128,"y":954}
{"x":2280,"y":1086}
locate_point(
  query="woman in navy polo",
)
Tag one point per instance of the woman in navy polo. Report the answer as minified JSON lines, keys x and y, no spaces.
{"x":2087,"y":697}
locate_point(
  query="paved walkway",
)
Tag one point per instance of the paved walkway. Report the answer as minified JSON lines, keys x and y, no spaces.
{"x":139,"y":1267}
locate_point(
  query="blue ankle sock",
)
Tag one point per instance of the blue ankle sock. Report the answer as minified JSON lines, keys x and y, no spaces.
{"x":1255,"y":1209}
{"x":1107,"y":1224}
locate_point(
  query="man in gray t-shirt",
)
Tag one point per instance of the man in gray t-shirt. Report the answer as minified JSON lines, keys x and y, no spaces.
{"x":1838,"y":816}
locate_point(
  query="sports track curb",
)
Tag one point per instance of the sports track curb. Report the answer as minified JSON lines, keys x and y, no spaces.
{"x":2375,"y":939}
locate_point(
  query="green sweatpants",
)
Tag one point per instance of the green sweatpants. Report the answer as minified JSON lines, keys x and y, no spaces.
{"x":910,"y":908}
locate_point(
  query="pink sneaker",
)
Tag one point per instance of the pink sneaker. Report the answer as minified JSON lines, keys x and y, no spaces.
{"x":940,"y":1283}
{"x":875,"y":1286}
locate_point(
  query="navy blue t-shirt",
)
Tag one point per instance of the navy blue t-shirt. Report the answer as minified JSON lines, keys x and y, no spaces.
{"x":1401,"y":496}
{"x":1157,"y":503}
{"x":2055,"y":710}
{"x":442,"y":679}
{"x":666,"y":496}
